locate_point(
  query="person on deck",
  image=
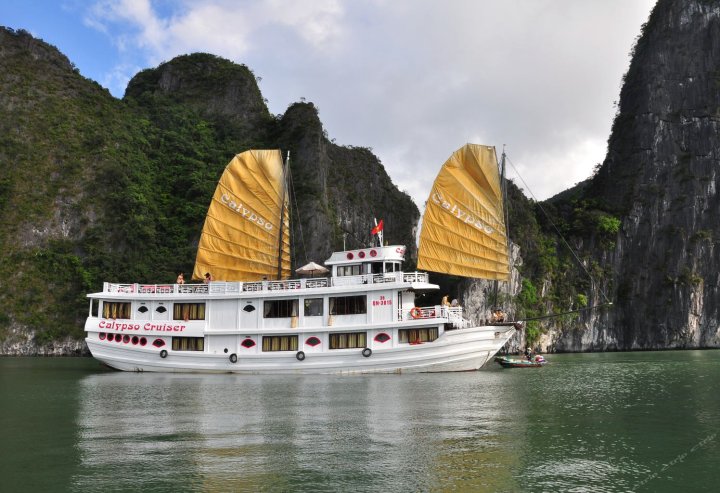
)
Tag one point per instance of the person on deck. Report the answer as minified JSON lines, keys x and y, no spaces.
{"x":208,"y":278}
{"x":180,"y":279}
{"x":445,"y":301}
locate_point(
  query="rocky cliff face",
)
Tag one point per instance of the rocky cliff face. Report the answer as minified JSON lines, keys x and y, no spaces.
{"x":97,"y":189}
{"x":661,"y":176}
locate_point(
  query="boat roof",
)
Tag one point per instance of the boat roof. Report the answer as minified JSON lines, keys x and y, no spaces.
{"x":394,"y":253}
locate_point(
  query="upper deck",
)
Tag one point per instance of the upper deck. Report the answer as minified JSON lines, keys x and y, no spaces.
{"x":417,"y":280}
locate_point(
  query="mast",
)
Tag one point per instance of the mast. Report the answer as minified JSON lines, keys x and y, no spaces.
{"x":282,"y":216}
{"x":503,"y":188}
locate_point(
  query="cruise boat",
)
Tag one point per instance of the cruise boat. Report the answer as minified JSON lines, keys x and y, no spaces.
{"x":363,"y":317}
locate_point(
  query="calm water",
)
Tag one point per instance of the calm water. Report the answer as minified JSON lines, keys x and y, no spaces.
{"x":589,"y":422}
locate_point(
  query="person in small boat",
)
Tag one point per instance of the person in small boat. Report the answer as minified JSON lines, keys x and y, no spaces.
{"x":528,"y":354}
{"x":180,"y":279}
{"x":208,"y":278}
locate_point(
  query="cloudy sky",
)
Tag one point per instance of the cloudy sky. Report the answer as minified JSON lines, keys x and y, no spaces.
{"x":412,"y":79}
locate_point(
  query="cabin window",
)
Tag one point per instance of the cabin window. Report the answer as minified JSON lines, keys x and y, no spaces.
{"x":188,"y":343}
{"x":94,"y":308}
{"x":349,"y":270}
{"x":348,"y":305}
{"x":189,"y":311}
{"x":377,"y":267}
{"x":279,"y":343}
{"x":116,"y":309}
{"x":313,"y":307}
{"x":348,"y":340}
{"x":281,"y":309}
{"x":418,"y":335}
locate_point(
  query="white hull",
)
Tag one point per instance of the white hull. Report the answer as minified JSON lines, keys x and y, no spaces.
{"x":455,"y":350}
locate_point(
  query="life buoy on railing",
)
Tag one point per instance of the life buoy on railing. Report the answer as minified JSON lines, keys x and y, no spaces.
{"x":300,"y":355}
{"x":163,"y":354}
{"x":416,"y":312}
{"x":233,"y":358}
{"x":367,"y":352}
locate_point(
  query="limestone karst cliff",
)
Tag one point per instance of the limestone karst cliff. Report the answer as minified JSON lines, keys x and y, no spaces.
{"x":93,"y":188}
{"x":660,"y":177}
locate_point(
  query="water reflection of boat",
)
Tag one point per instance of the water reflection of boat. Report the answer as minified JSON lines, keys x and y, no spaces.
{"x":507,"y":362}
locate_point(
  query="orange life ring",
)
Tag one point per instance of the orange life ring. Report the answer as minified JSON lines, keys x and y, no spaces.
{"x":416,"y":312}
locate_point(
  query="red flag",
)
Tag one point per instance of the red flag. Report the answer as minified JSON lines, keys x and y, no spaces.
{"x":377,"y":228}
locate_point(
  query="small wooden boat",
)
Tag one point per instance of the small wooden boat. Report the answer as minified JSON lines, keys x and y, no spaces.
{"x":507,"y":362}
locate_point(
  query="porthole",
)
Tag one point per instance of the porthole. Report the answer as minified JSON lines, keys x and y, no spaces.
{"x":135,"y":340}
{"x":110,"y":337}
{"x":248,"y":343}
{"x":382,"y":337}
{"x":143,"y":341}
{"x":126,"y":338}
{"x":312,"y":341}
{"x":249,"y":308}
{"x":102,"y":336}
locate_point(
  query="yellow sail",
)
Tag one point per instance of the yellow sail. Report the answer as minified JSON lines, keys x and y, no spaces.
{"x":463,"y":230}
{"x":242,"y":233}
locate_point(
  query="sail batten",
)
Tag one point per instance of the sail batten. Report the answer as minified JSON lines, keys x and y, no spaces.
{"x":463,"y":231}
{"x":241,"y":239}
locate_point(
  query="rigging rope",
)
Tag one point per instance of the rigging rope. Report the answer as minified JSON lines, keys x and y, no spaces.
{"x":297,"y":213}
{"x":592,"y":280}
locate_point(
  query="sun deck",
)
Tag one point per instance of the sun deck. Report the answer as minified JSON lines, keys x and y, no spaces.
{"x":221,"y":287}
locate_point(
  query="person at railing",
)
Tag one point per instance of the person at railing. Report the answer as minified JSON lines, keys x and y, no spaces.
{"x":445,"y":301}
{"x":454,"y":303}
{"x":180,"y":279}
{"x":208,"y":278}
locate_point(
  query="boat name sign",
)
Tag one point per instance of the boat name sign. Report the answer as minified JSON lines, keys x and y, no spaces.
{"x":148,"y":327}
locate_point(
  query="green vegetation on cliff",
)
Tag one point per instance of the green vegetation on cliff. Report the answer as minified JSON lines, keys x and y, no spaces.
{"x":97,"y":189}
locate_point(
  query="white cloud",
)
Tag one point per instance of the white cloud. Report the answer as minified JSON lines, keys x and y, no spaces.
{"x":416,"y":79}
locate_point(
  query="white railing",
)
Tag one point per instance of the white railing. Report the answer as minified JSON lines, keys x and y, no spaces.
{"x":453,"y":314}
{"x":222,"y":287}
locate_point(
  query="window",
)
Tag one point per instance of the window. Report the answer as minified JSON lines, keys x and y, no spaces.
{"x":382,"y":337}
{"x":249,"y":308}
{"x":280,"y":343}
{"x":348,"y":305}
{"x":143,"y":309}
{"x":248,"y":343}
{"x":161,"y":309}
{"x":116,"y":309}
{"x":418,"y":335}
{"x":312,"y":341}
{"x":349,"y":270}
{"x":94,"y":308}
{"x":281,"y":309}
{"x":188,"y":343}
{"x":313,"y":307}
{"x":188,"y":311}
{"x":347,"y":340}
{"x":377,"y":267}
